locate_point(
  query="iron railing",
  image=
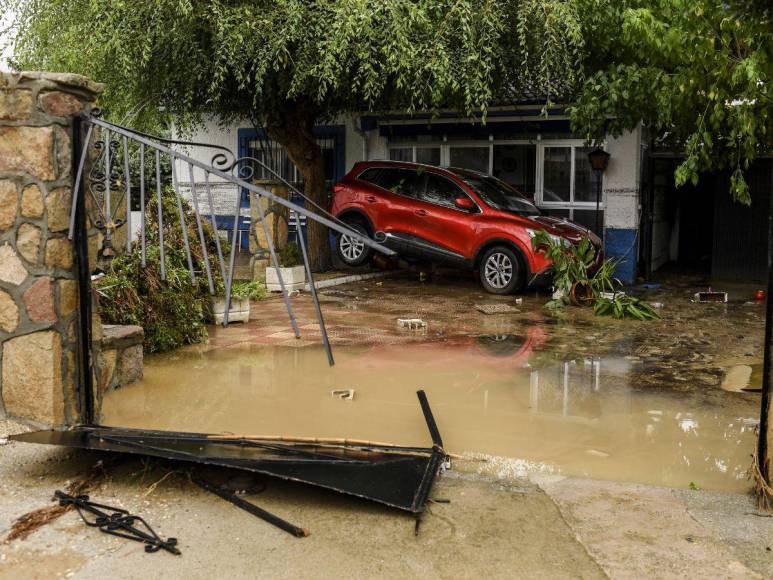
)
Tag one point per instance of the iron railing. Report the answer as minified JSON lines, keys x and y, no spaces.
{"x":110,"y":173}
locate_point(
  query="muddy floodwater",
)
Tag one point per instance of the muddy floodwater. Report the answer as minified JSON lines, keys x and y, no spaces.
{"x":493,"y":396}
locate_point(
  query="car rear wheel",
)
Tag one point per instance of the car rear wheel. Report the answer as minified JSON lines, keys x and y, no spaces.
{"x":500,"y":271}
{"x":353,"y":252}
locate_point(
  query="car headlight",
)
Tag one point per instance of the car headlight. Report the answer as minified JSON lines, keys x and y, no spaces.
{"x":553,"y":238}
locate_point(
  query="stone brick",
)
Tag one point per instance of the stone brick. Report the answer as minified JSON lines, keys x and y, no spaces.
{"x":9,"y":312}
{"x":68,"y":297}
{"x":34,"y":391}
{"x":131,"y":365}
{"x":63,"y":152}
{"x":107,"y":361}
{"x":39,"y":301}
{"x":11,"y":268}
{"x":59,"y":253}
{"x":28,"y":150}
{"x":15,"y":104}
{"x":58,"y":204}
{"x":60,"y":104}
{"x":28,"y":242}
{"x":9,"y":202}
{"x":32,"y":202}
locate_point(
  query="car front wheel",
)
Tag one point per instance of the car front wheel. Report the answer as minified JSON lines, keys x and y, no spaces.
{"x":352,"y":251}
{"x":500,"y":271}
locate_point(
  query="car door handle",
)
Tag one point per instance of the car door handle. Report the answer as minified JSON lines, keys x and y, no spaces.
{"x":370,"y":198}
{"x":421,"y":212}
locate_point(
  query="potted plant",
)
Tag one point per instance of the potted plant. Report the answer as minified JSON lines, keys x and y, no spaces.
{"x":241,"y":295}
{"x":291,"y":269}
{"x":577,"y":281}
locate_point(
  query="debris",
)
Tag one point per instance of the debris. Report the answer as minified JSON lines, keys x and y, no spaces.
{"x":423,"y":276}
{"x":656,"y":304}
{"x":650,"y":286}
{"x":343,"y":394}
{"x":759,"y":295}
{"x":228,"y":495}
{"x":710,"y":296}
{"x":519,"y":300}
{"x":3,"y":440}
{"x":496,"y":309}
{"x":31,"y":521}
{"x":612,"y":295}
{"x":411,"y":324}
{"x":397,"y":476}
{"x":117,"y":522}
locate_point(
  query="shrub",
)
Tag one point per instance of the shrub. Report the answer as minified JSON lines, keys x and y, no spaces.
{"x":171,"y":311}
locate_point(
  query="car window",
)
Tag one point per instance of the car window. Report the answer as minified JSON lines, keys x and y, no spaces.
{"x":440,"y":190}
{"x":500,"y":195}
{"x":396,"y":180}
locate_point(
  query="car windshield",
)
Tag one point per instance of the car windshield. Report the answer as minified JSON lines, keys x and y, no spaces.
{"x":500,"y":195}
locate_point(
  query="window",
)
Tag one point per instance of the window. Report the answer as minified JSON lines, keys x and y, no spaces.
{"x":428,"y":155}
{"x":399,"y":181}
{"x":475,"y":158}
{"x":584,"y":178}
{"x":516,"y":165}
{"x":557,"y":174}
{"x":401,"y":154}
{"x":440,"y":191}
{"x":499,"y":195}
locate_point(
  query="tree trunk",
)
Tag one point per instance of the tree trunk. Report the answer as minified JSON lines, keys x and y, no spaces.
{"x":293,"y":128}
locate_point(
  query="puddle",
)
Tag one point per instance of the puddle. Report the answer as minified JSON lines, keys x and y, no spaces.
{"x":490,"y":396}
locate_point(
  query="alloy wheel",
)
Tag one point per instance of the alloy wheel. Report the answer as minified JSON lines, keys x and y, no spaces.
{"x":498,"y":270}
{"x":351,"y":248}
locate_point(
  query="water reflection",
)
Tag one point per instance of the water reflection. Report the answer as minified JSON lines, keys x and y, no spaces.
{"x":505,"y":395}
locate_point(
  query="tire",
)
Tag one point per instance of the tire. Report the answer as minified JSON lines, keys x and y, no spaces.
{"x":501,"y":271}
{"x":353,"y":252}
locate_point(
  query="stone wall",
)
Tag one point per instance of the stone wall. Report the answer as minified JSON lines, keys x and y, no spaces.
{"x":38,"y":290}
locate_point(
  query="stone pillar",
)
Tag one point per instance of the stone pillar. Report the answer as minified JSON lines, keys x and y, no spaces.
{"x":38,"y":290}
{"x":277,"y":217}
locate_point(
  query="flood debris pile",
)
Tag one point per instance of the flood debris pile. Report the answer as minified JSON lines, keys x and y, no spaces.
{"x":580,"y":279}
{"x":397,"y":476}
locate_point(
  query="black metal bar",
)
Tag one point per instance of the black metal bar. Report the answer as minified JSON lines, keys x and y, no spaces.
{"x":429,"y":418}
{"x":763,"y":463}
{"x":81,"y":247}
{"x":252,"y":508}
{"x":118,"y":522}
{"x":313,"y":290}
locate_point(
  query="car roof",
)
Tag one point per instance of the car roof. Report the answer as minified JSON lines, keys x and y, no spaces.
{"x":456,"y":171}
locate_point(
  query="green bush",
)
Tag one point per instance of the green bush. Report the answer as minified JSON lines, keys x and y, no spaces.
{"x":171,"y":311}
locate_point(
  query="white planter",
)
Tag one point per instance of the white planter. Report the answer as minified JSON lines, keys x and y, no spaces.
{"x":294,"y":278}
{"x":239,"y":312}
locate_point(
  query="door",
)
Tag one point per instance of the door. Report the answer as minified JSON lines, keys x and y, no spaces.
{"x":438,"y":222}
{"x":390,"y":198}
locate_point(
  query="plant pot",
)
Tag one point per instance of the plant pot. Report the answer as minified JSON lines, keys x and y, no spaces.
{"x":239,"y":311}
{"x":581,"y":294}
{"x":293,"y":277}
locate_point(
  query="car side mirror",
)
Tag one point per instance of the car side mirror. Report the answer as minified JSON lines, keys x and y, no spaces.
{"x":464,"y":202}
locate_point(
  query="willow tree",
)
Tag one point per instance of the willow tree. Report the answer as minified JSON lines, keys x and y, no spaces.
{"x":291,"y":64}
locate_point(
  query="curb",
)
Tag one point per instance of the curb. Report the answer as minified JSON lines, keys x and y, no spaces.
{"x":347,"y":279}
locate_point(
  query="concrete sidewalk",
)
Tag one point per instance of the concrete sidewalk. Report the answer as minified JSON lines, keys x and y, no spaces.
{"x":546,"y":527}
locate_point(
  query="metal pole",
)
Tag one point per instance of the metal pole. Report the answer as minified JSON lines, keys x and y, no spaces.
{"x":277,"y":266}
{"x":81,"y":246}
{"x":767,"y":367}
{"x":598,"y":200}
{"x":313,"y":291}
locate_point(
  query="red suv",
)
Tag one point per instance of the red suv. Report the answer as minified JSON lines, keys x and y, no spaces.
{"x":448,"y":216}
